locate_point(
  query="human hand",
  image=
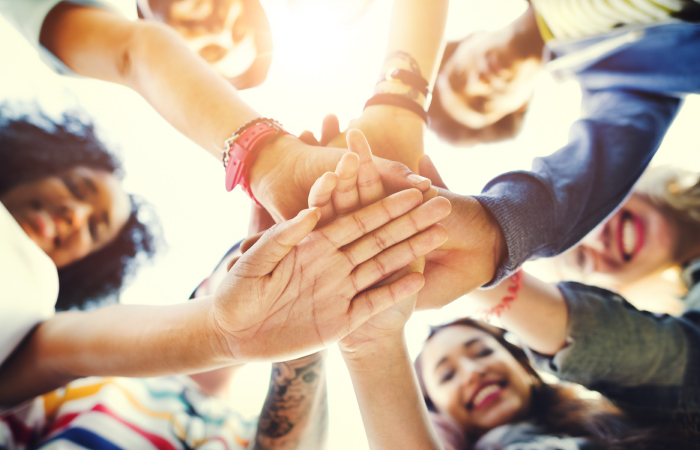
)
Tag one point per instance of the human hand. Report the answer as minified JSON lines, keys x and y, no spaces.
{"x":286,"y":169}
{"x":356,"y":182}
{"x":393,"y":133}
{"x":297,"y":290}
{"x":469,"y":259}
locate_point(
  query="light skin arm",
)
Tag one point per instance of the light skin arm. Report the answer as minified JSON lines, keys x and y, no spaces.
{"x":392,"y":408}
{"x":153,"y":60}
{"x":538,"y":316}
{"x":415,"y":44}
{"x":295,"y":414}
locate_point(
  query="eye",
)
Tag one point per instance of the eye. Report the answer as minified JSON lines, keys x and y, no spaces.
{"x":447,"y":376}
{"x":485,"y":352}
{"x":73,"y":187}
{"x":581,"y":258}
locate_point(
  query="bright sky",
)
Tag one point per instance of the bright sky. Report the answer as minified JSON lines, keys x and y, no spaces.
{"x":322,"y":63}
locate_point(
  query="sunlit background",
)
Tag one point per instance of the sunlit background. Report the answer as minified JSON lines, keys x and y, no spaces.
{"x":327,"y":56}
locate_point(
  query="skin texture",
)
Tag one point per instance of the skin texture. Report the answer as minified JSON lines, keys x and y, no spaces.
{"x":71,"y":214}
{"x":153,"y":60}
{"x":385,"y":384}
{"x":457,"y":361}
{"x":601,"y":258}
{"x":492,"y":74}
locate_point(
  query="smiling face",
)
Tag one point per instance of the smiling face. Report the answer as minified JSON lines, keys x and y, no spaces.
{"x":227,"y":34}
{"x":72,"y":214}
{"x":471,"y":377}
{"x":488,"y":77}
{"x":636,"y":241}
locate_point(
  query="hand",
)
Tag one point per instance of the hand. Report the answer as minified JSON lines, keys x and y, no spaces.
{"x":393,"y":133}
{"x":474,"y":249}
{"x":285,"y":171}
{"x":356,"y":182}
{"x":297,"y":291}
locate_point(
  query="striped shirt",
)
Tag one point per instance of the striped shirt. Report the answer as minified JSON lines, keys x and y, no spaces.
{"x":166,"y":413}
{"x":578,"y":18}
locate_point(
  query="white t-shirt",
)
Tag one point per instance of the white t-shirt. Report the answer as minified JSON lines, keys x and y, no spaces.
{"x":27,"y":17}
{"x":29,"y":282}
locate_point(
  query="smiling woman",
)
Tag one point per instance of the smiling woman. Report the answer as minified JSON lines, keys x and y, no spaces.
{"x":63,"y":189}
{"x":482,"y":391}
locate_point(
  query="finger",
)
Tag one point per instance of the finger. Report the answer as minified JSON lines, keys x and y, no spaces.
{"x":370,"y":303}
{"x":320,"y":196}
{"x":347,"y":229}
{"x":330,"y":129}
{"x":430,"y":194}
{"x":308,"y":137}
{"x":232,"y":262}
{"x":275,"y":244}
{"x":251,"y":240}
{"x":397,"y":177}
{"x":397,"y":230}
{"x":346,"y":199}
{"x":427,"y":169}
{"x":369,"y":183}
{"x":398,"y":256}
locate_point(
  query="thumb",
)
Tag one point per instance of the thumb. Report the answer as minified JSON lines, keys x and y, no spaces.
{"x":275,"y":244}
{"x":427,"y":169}
{"x":330,"y":129}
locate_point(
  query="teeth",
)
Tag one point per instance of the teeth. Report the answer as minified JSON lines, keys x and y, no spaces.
{"x":629,"y":237}
{"x":485,"y":392}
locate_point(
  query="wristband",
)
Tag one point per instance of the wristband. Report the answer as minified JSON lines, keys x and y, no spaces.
{"x":406,"y":77}
{"x":400,"y":102}
{"x":242,"y":150}
{"x":517,"y":279}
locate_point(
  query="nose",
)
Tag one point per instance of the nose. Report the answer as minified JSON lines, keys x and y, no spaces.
{"x":75,"y":215}
{"x":598,"y":240}
{"x":471,"y":372}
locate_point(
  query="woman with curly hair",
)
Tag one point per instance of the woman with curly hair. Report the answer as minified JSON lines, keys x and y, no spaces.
{"x":59,"y":182}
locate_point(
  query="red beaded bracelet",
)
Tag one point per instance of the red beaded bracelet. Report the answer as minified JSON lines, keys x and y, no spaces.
{"x":517,"y":279}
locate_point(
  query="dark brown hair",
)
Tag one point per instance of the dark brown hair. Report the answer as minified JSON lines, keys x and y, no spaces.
{"x":560,"y":411}
{"x":456,"y":133}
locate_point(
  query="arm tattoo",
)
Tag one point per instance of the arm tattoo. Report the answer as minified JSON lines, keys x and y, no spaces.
{"x":295,"y":410}
{"x":402,"y":60}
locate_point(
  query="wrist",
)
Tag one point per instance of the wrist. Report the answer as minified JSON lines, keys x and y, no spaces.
{"x":220,"y":342}
{"x":371,"y":353}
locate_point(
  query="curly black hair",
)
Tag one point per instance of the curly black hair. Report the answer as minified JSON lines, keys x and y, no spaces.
{"x":35,"y":146}
{"x":454,"y":132}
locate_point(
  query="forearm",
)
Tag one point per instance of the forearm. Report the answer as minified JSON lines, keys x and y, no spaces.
{"x":415,"y":42}
{"x":134,"y":341}
{"x":295,"y":414}
{"x":153,"y":60}
{"x":538,"y":315}
{"x":392,"y":407}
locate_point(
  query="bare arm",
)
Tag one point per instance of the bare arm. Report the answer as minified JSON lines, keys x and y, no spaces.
{"x":393,"y":411}
{"x":116,"y":341}
{"x":153,"y":60}
{"x":295,"y":414}
{"x":538,"y":316}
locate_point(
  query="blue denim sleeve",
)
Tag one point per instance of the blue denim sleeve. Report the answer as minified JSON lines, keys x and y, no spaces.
{"x":565,"y":195}
{"x":646,"y":363}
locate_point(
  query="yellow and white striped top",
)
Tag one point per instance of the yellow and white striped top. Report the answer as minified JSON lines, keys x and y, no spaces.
{"x":578,"y":18}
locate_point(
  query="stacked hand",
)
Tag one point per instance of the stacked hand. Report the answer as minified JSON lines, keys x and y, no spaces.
{"x":298,"y":290}
{"x":354,"y":184}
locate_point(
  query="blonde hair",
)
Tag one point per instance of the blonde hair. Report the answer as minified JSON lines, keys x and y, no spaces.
{"x":674,"y":190}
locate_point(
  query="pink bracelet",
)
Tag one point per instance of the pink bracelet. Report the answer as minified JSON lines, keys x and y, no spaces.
{"x":517,"y":279}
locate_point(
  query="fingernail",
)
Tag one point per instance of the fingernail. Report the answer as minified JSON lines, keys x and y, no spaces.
{"x":317,"y":210}
{"x":417,"y":179}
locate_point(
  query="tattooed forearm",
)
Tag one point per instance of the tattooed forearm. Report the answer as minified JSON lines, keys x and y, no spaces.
{"x":295,"y":411}
{"x":399,"y":60}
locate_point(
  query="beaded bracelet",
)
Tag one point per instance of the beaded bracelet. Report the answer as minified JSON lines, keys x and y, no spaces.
{"x":517,"y":279}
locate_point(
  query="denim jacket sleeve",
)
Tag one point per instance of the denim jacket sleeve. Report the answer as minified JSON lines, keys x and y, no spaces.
{"x":648,"y":364}
{"x":566,"y":194}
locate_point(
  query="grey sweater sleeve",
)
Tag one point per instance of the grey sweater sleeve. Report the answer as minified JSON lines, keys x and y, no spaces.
{"x":566,"y":194}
